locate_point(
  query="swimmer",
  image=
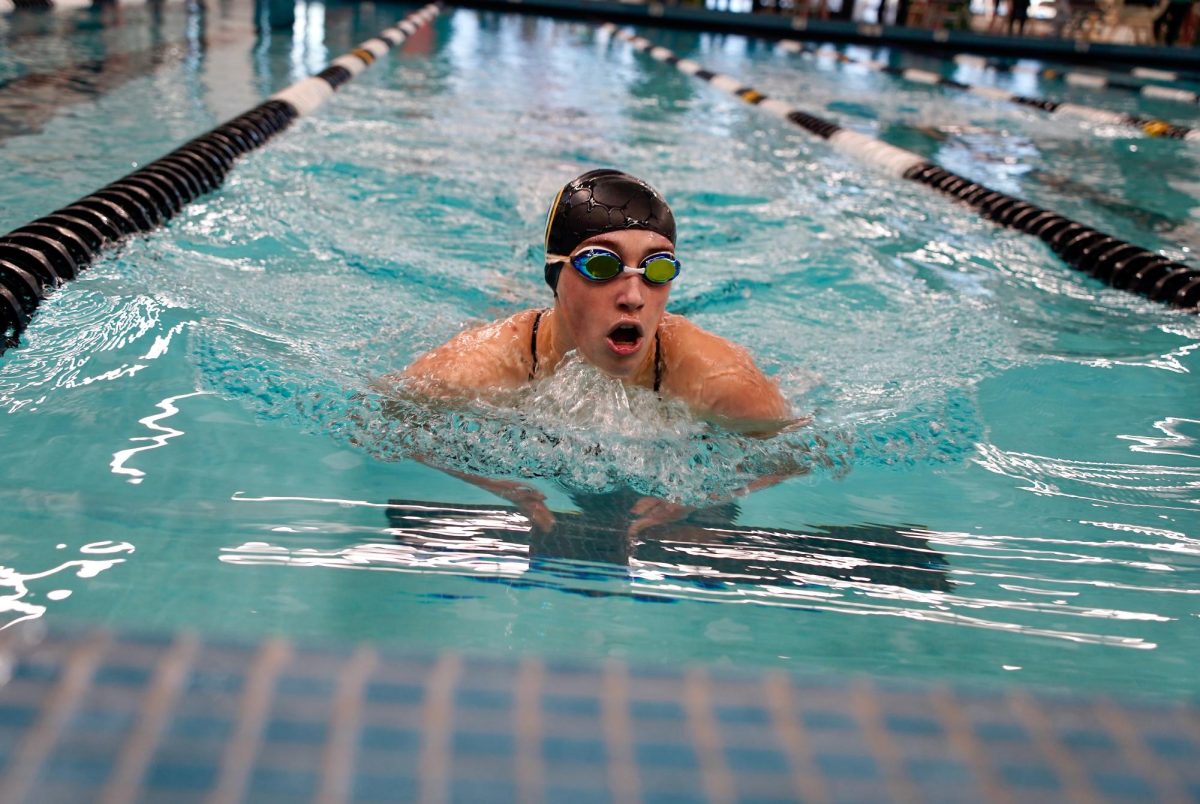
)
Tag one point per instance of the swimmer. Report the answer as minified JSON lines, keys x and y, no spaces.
{"x":610,"y":261}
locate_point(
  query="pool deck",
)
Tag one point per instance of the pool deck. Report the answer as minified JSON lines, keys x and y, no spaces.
{"x":782,"y":26}
{"x":115,"y":718}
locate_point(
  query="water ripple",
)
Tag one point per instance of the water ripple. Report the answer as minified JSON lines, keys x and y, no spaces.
{"x":1119,"y":484}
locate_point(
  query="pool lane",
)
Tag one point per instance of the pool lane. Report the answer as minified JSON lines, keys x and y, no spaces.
{"x":1116,"y":262}
{"x":52,"y":250}
{"x":1153,"y":127}
{"x":1149,"y":82}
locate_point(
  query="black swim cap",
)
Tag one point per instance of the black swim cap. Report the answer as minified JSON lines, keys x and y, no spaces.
{"x":601,"y":201}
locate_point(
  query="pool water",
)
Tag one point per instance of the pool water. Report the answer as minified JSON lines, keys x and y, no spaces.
{"x":1001,"y":482}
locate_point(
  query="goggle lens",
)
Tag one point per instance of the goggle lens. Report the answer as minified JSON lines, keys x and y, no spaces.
{"x":601,"y":266}
{"x":660,"y":269}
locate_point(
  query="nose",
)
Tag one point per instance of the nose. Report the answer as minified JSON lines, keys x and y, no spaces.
{"x":630,"y":296}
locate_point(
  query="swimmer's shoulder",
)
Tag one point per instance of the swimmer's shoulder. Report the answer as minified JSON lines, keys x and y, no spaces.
{"x":695,"y":352}
{"x":719,"y":378}
{"x":691,"y":341}
{"x":495,"y":355}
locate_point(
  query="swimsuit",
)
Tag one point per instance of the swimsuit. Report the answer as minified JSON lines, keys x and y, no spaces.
{"x":537,"y":319}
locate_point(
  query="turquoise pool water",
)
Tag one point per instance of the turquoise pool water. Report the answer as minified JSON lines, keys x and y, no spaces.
{"x":1003,"y":477}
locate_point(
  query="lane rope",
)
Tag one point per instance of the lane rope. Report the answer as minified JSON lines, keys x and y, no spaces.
{"x":40,"y":256}
{"x":1094,"y":80}
{"x":1152,"y":127}
{"x":1120,"y":264}
{"x":1155,"y":74}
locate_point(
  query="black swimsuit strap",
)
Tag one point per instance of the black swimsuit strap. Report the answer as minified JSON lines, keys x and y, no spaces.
{"x":657,"y":362}
{"x":537,"y":319}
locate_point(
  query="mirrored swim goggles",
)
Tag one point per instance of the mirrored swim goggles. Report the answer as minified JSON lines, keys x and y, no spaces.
{"x":601,"y":265}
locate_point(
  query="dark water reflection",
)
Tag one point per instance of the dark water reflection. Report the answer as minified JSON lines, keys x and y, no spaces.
{"x":706,"y":549}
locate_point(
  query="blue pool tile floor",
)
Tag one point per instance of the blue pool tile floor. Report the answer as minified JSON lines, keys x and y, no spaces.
{"x":113,"y":718}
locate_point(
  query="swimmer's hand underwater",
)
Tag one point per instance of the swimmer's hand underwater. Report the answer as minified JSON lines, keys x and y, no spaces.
{"x":529,"y":501}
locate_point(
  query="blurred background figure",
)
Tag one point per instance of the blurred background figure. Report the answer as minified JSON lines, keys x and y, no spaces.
{"x":1168,"y":23}
{"x":1018,"y":13}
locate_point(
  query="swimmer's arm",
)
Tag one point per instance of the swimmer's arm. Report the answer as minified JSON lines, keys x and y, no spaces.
{"x":720,"y":382}
{"x":743,"y":399}
{"x":529,"y":501}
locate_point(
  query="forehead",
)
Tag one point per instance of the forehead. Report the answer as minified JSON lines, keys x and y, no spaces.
{"x":639,"y":240}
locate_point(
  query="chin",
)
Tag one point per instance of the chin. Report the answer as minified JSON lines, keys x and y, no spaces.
{"x":620,"y":368}
{"x":618,"y":373}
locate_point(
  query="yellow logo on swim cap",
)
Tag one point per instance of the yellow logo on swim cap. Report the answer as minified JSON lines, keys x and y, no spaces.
{"x":550,"y":217}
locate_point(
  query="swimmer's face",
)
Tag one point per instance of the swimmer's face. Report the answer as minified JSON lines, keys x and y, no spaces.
{"x":612,"y":324}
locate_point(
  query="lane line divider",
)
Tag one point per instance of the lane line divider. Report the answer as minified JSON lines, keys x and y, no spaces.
{"x":1120,"y":264}
{"x":52,"y":250}
{"x":1094,"y":80}
{"x":1147,"y":125}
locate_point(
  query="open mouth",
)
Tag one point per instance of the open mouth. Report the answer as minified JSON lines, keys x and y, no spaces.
{"x":624,"y":339}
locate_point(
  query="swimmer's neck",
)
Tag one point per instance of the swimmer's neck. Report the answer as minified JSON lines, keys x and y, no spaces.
{"x":554,"y":342}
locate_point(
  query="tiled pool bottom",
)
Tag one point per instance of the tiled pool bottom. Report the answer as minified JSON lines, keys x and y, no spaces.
{"x":97,"y":717}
